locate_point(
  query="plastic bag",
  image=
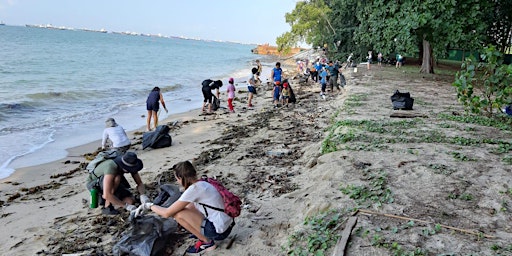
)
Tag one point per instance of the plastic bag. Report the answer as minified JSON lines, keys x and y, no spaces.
{"x":147,"y":236}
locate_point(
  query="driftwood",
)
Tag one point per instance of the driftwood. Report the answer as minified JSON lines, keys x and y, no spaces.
{"x":407,"y":115}
{"x":424,"y":221}
{"x":339,"y":249}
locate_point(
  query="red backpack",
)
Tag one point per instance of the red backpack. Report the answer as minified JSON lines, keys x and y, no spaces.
{"x":232,"y":203}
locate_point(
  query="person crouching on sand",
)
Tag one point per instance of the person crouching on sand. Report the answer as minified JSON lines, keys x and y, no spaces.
{"x":231,"y":94}
{"x":189,"y":211}
{"x":116,"y":134}
{"x":153,"y":105}
{"x":108,"y":178}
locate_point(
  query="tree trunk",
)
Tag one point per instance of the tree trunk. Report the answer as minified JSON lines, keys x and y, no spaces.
{"x":427,"y":63}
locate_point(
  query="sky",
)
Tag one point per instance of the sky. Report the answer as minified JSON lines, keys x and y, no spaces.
{"x":244,"y":21}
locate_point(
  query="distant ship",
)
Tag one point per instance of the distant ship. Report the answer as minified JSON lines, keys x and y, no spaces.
{"x":2,"y":23}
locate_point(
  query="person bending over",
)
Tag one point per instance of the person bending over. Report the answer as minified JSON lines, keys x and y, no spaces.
{"x":153,"y":105}
{"x":109,"y":178}
{"x":190,"y":212}
{"x":208,"y":86}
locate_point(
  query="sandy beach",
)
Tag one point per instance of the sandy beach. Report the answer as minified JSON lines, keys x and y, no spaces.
{"x":278,"y":162}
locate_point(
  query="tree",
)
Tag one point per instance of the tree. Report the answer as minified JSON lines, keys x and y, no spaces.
{"x":427,"y":26}
{"x":500,"y":24}
{"x":308,"y":24}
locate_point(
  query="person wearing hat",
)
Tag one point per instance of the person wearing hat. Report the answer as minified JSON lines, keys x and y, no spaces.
{"x":109,"y":177}
{"x":116,"y":134}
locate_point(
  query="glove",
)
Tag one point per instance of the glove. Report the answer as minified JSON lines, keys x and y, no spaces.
{"x":143,"y":208}
{"x":144,"y":199}
{"x":130,"y":207}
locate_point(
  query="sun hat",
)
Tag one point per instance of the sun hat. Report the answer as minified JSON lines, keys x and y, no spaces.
{"x":110,"y":122}
{"x":129,"y":162}
{"x":231,"y":80}
{"x":285,"y":84}
{"x":278,"y":82}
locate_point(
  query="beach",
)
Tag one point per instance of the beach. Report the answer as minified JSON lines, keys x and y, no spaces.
{"x":276,"y":161}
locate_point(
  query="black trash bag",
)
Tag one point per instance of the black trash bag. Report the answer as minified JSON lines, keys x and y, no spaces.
{"x":159,"y":138}
{"x":215,"y":103}
{"x":402,"y":100}
{"x":169,"y":194}
{"x":147,"y":236}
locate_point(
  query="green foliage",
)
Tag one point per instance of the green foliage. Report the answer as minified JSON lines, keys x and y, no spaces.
{"x":505,"y":124}
{"x":377,"y":191}
{"x":319,"y":234}
{"x":484,"y":86}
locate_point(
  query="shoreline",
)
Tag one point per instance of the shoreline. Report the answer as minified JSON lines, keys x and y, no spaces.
{"x":25,"y":161}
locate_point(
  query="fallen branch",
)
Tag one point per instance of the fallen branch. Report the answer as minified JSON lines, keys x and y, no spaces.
{"x":342,"y":242}
{"x":428,"y":222}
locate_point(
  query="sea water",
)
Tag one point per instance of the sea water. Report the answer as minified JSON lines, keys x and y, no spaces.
{"x":57,"y":87}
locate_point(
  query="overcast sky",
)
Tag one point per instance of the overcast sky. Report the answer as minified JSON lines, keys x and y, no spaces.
{"x":244,"y":21}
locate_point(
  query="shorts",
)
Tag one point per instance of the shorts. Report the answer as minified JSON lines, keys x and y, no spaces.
{"x":208,"y":230}
{"x":251,"y":89}
{"x":152,"y":106}
{"x":286,"y":97}
{"x":121,"y":192}
{"x":207,"y":94}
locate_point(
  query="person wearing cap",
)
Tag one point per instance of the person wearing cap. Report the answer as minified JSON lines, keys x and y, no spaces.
{"x":109,"y":176}
{"x":153,"y":105}
{"x":286,"y":93}
{"x":231,"y":94}
{"x":116,"y":134}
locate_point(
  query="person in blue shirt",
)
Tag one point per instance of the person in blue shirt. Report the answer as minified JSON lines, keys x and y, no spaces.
{"x":323,"y":81}
{"x":333,"y":70}
{"x":277,"y":73}
{"x":318,"y":67}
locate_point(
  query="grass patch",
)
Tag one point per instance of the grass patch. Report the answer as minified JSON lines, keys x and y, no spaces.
{"x":319,"y":233}
{"x":377,"y":191}
{"x":499,"y":123}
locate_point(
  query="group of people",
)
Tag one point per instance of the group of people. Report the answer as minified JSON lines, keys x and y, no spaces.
{"x":206,"y":225}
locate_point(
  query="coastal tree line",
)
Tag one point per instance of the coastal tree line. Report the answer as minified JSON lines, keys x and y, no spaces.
{"x":425,"y":29}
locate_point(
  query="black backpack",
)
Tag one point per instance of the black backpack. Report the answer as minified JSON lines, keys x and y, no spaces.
{"x":159,"y":138}
{"x":402,"y":100}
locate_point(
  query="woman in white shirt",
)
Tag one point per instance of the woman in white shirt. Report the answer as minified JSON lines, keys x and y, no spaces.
{"x":116,"y":134}
{"x":205,"y":223}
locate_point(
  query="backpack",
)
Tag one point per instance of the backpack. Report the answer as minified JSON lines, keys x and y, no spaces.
{"x":402,"y":100}
{"x":100,"y":157}
{"x":232,"y":203}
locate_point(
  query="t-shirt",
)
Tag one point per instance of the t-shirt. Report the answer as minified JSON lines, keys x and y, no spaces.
{"x":106,"y":167}
{"x":231,"y":91}
{"x":286,"y":91}
{"x":333,"y":70}
{"x":252,"y":80}
{"x":277,"y":74}
{"x":206,"y":193}
{"x":117,"y":135}
{"x":323,"y":76}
